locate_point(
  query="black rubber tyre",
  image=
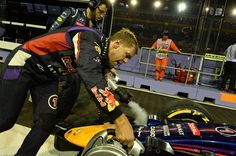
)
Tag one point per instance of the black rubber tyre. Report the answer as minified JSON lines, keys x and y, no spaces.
{"x":185,"y":111}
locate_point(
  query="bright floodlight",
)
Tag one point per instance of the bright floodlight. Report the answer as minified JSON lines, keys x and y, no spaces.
{"x":134,"y":2}
{"x":234,"y":12}
{"x":157,"y":4}
{"x":182,"y":6}
{"x":207,"y":9}
{"x":112,"y":1}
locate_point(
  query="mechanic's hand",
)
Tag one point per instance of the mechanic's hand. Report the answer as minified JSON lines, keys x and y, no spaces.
{"x":124,"y":131}
{"x":113,"y":72}
{"x":124,"y":95}
{"x":108,"y":125}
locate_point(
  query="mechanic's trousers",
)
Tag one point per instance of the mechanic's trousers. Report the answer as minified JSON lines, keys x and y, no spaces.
{"x":160,"y":67}
{"x":229,"y":72}
{"x":68,"y":94}
{"x":19,"y":75}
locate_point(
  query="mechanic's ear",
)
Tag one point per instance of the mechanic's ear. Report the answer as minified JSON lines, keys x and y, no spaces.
{"x":116,"y":44}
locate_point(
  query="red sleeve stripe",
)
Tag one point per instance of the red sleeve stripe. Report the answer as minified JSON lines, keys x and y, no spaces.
{"x":47,"y":44}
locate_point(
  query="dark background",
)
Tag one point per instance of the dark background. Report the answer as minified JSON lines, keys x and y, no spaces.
{"x":194,"y":30}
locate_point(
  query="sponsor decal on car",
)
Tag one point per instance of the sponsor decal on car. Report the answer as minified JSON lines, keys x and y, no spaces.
{"x":226,"y":131}
{"x":180,"y":129}
{"x":166,"y":130}
{"x":195,"y":131}
{"x":140,"y":131}
{"x":152,"y":131}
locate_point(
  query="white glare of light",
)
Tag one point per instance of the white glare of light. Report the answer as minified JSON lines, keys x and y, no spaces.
{"x":127,"y":5}
{"x":134,"y":2}
{"x":112,"y":1}
{"x":157,"y":4}
{"x":182,"y":6}
{"x":234,"y":12}
{"x":207,"y":9}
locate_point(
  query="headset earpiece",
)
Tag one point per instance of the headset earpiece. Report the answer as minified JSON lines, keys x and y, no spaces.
{"x":93,"y":4}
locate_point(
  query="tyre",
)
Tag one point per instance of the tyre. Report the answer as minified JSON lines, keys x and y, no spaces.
{"x":185,"y":111}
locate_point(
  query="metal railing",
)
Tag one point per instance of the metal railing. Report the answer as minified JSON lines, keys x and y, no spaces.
{"x":189,"y":70}
{"x":11,"y":45}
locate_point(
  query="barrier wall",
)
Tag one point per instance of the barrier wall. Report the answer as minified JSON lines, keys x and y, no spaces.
{"x":139,"y":73}
{"x":207,"y":72}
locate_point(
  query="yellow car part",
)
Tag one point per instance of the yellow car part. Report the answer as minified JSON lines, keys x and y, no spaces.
{"x":80,"y":136}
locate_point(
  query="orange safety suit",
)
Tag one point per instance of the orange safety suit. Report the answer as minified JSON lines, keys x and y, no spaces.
{"x":162,"y":56}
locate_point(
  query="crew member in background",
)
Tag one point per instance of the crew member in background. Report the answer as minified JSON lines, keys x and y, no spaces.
{"x":163,"y":45}
{"x":90,"y":17}
{"x":230,"y":69}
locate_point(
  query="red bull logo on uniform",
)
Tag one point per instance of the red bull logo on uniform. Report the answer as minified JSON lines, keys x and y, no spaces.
{"x":67,"y":62}
{"x":105,"y":98}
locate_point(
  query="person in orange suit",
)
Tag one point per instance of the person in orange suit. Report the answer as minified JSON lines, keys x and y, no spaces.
{"x":163,"y":45}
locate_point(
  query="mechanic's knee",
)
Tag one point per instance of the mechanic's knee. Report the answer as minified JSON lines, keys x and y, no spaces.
{"x":6,"y":124}
{"x":47,"y":122}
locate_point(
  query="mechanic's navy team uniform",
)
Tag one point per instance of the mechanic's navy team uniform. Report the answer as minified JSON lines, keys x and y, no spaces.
{"x":69,"y":94}
{"x":38,"y":65}
{"x":70,"y":17}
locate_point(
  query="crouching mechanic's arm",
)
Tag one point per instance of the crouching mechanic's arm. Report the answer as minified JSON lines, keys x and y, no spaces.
{"x":124,"y":131}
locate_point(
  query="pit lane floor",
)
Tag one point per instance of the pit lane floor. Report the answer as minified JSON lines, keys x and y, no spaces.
{"x":84,"y":113}
{"x":12,"y":139}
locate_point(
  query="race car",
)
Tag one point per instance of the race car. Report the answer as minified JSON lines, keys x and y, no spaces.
{"x":184,"y":128}
{"x":159,"y":137}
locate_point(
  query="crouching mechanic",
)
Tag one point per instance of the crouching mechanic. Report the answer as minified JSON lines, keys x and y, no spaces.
{"x":38,"y":66}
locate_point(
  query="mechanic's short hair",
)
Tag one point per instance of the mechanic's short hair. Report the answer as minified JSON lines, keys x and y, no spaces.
{"x":106,"y":2}
{"x":127,"y":36}
{"x":93,"y":4}
{"x":165,"y":33}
